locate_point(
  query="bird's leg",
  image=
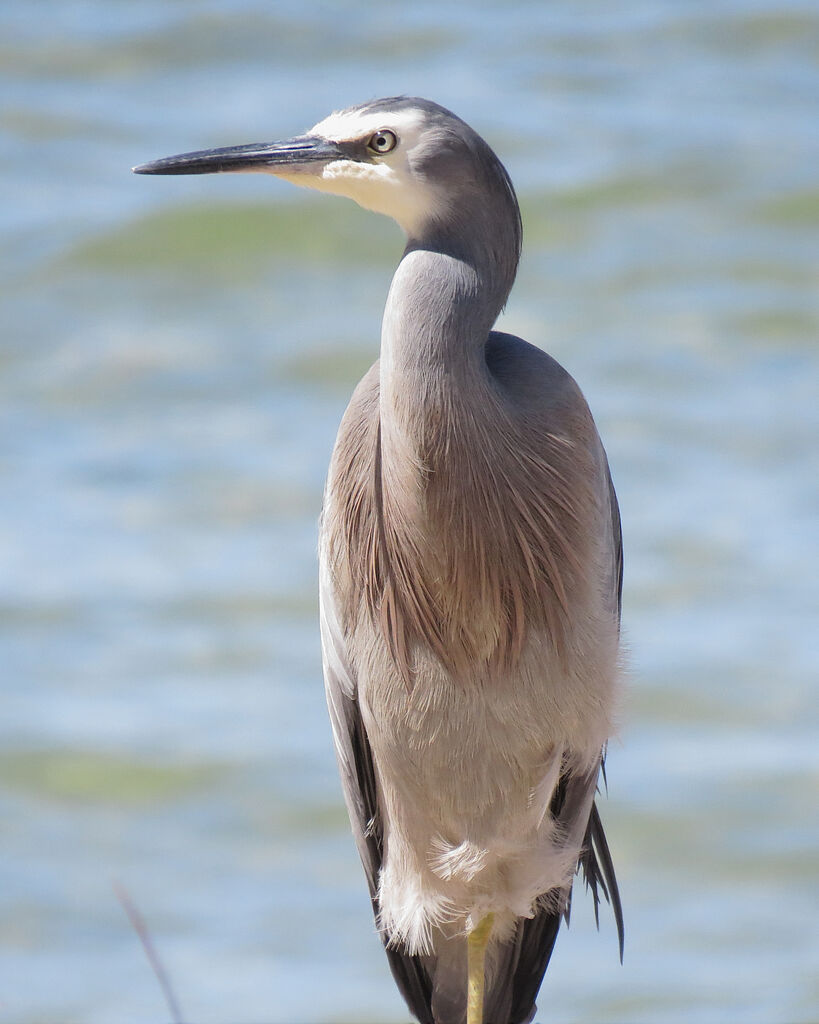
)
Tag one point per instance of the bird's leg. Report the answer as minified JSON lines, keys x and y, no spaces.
{"x":476,"y":943}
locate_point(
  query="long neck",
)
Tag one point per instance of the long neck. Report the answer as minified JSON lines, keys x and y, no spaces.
{"x":443,"y":541}
{"x":445,"y":297}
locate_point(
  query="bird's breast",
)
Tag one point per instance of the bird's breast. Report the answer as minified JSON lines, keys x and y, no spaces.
{"x":462,"y":541}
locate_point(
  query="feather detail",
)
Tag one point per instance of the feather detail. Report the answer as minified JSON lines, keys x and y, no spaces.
{"x":484,"y":543}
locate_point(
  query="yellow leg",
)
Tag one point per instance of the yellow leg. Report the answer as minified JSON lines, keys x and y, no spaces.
{"x":477,"y":941}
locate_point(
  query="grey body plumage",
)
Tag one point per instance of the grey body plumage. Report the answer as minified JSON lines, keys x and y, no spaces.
{"x":471,"y":571}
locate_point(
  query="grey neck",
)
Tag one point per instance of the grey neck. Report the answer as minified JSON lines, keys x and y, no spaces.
{"x":444,"y":299}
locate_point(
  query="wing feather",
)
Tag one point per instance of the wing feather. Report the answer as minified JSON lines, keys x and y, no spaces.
{"x":358,"y":781}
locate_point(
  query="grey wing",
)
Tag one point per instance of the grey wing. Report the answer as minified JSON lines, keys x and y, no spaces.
{"x":574,"y":808}
{"x":617,"y":543}
{"x":595,"y":860}
{"x":355,"y":763}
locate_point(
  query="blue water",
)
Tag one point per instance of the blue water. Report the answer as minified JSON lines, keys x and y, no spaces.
{"x":175,"y":355}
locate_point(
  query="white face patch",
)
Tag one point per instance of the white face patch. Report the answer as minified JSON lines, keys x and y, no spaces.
{"x":344,"y":125}
{"x":385,"y":185}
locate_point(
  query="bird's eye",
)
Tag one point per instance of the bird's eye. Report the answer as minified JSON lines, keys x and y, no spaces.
{"x":383,"y":141}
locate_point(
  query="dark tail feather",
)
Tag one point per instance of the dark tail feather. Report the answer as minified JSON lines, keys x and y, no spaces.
{"x":598,"y":872}
{"x":414,"y":983}
{"x":511,"y":999}
{"x":537,"y":937}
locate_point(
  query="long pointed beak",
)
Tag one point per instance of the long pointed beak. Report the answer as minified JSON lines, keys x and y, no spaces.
{"x":294,"y":154}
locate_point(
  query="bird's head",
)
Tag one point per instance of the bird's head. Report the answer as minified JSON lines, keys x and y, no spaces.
{"x":408,"y":158}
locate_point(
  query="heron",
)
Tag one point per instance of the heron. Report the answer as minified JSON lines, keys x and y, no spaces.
{"x":470,"y":578}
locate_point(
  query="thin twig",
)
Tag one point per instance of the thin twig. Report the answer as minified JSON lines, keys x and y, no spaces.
{"x":139,"y":926}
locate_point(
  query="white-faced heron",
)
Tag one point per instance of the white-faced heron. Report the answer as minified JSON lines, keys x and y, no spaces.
{"x":471,"y":572}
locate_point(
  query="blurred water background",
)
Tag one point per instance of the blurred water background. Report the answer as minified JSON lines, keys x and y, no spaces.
{"x":175,"y":358}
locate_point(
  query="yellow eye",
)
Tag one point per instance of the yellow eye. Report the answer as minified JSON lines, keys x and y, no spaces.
{"x":383,"y":141}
